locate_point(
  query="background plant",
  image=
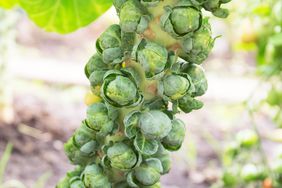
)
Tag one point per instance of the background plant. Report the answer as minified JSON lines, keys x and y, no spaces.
{"x":245,"y":161}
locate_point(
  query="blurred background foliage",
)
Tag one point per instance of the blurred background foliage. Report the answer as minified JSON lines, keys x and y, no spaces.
{"x":234,"y":141}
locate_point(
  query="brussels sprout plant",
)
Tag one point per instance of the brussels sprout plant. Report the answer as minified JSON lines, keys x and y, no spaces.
{"x":146,"y":70}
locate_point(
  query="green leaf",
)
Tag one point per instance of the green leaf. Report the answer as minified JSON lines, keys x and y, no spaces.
{"x":64,"y":16}
{"x":145,"y":146}
{"x":8,"y":4}
{"x":5,"y":157}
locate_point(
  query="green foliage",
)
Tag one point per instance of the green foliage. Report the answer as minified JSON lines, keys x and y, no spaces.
{"x":8,"y":4}
{"x":126,"y":137}
{"x":64,"y":16}
{"x":267,"y":40}
{"x":61,"y":16}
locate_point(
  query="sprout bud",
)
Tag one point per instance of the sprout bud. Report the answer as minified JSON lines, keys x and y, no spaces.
{"x":174,"y":139}
{"x":93,"y":177}
{"x":97,"y":116}
{"x":198,"y":78}
{"x":197,"y":48}
{"x":174,"y":86}
{"x":109,"y":45}
{"x":121,"y":156}
{"x":95,"y":63}
{"x":188,"y":104}
{"x":133,"y":17}
{"x":120,"y":90}
{"x":182,"y":20}
{"x":155,"y":124}
{"x":152,"y":57}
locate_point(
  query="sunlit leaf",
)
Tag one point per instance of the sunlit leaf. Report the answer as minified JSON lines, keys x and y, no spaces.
{"x":7,"y":4}
{"x":64,"y":16}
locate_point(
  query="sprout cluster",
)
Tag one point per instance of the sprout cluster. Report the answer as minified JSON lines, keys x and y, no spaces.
{"x":146,"y":70}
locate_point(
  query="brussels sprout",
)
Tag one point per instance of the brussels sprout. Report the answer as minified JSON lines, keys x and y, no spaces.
{"x":97,"y":116}
{"x":77,"y":184}
{"x":94,"y":64}
{"x":175,"y":86}
{"x":96,"y":78}
{"x":80,"y":156}
{"x":247,"y":138}
{"x":122,"y":156}
{"x":70,"y":180}
{"x":198,"y":78}
{"x":182,"y":20}
{"x":155,"y":124}
{"x":251,"y":172}
{"x":188,"y":104}
{"x":83,"y":135}
{"x":94,"y":177}
{"x":133,"y":17}
{"x":131,"y":122}
{"x":197,"y":48}
{"x":152,"y":57}
{"x":120,"y":90}
{"x":144,"y":175}
{"x":174,"y":139}
{"x":108,"y":45}
{"x":163,"y":155}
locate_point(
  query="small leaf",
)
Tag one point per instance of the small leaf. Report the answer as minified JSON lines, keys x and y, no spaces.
{"x":131,"y":122}
{"x":155,"y":163}
{"x":144,"y":146}
{"x":64,"y":16}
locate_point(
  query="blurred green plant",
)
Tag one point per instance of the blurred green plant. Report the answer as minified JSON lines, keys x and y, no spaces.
{"x":244,"y":159}
{"x":245,"y":164}
{"x":265,"y":21}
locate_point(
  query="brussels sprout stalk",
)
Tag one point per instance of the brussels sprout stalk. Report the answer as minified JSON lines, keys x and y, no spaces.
{"x":140,"y":82}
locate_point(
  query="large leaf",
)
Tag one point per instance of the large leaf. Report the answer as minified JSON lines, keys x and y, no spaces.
{"x":64,"y":16}
{"x":7,"y":4}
